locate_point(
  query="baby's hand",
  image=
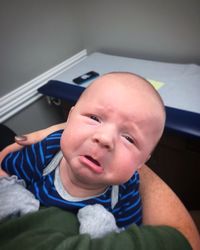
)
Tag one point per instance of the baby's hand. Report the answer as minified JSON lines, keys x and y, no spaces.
{"x":15,"y":199}
{"x":96,"y":221}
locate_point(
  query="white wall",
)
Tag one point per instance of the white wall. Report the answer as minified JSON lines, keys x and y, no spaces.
{"x":157,"y":29}
{"x":35,"y":36}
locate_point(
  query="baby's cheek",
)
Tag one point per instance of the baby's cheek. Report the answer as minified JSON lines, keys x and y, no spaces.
{"x":70,"y":141}
{"x":130,"y":168}
{"x":64,"y":142}
{"x":124,"y":172}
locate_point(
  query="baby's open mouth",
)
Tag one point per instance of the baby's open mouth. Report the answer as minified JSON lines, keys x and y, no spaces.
{"x":91,"y":163}
{"x":93,"y":160}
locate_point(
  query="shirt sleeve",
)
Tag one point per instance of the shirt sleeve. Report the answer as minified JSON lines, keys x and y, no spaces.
{"x":28,"y":163}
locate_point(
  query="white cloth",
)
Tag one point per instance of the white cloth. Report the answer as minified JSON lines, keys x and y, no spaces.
{"x":96,"y":221}
{"x":15,"y":199}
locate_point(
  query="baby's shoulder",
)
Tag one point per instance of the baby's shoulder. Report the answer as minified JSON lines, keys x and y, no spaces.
{"x":132,"y":183}
{"x":51,"y":144}
{"x":56,"y":135}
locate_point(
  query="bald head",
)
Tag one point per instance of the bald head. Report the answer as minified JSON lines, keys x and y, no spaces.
{"x":130,"y":90}
{"x":129,"y":80}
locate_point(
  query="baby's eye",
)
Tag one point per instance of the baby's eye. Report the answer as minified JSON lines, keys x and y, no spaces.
{"x":129,"y":139}
{"x":95,"y":118}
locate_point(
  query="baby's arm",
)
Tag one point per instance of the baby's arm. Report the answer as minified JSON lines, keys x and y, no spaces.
{"x":11,"y":148}
{"x":28,"y":139}
{"x":162,"y":207}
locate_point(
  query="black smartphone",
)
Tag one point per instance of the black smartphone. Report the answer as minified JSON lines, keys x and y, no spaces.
{"x":85,"y":77}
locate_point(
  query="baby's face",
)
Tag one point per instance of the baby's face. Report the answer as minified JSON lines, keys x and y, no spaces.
{"x":110,"y":133}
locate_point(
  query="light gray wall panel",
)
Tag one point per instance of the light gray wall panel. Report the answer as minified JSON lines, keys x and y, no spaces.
{"x":35,"y":36}
{"x":158,"y":29}
{"x":37,"y":116}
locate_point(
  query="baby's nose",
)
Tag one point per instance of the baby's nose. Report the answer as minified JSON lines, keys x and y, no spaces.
{"x":105,"y":139}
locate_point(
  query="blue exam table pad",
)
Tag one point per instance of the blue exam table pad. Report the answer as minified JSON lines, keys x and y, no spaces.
{"x":62,"y":90}
{"x":180,"y":92}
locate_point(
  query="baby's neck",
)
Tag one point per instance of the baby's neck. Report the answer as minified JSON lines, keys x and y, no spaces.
{"x":74,"y":187}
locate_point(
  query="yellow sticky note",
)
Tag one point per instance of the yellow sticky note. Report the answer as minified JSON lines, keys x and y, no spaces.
{"x":156,"y":84}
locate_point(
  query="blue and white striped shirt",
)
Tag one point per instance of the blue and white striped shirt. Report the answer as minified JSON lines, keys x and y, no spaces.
{"x":29,"y":164}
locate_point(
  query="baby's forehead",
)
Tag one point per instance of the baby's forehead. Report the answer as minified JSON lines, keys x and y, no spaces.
{"x":111,"y":83}
{"x":122,"y":86}
{"x":121,"y":91}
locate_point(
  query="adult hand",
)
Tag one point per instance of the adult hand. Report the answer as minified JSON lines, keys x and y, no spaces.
{"x":37,"y":135}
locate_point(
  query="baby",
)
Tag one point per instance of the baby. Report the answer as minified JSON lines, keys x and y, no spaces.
{"x":109,"y":134}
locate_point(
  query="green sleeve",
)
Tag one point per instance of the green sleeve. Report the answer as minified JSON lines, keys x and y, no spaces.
{"x":55,"y":229}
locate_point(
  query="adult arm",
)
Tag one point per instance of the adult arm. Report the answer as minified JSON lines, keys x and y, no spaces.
{"x":161,"y":206}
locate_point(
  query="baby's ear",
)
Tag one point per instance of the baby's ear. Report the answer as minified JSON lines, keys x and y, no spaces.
{"x":70,"y":112}
{"x":71,"y":109}
{"x":148,"y":158}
